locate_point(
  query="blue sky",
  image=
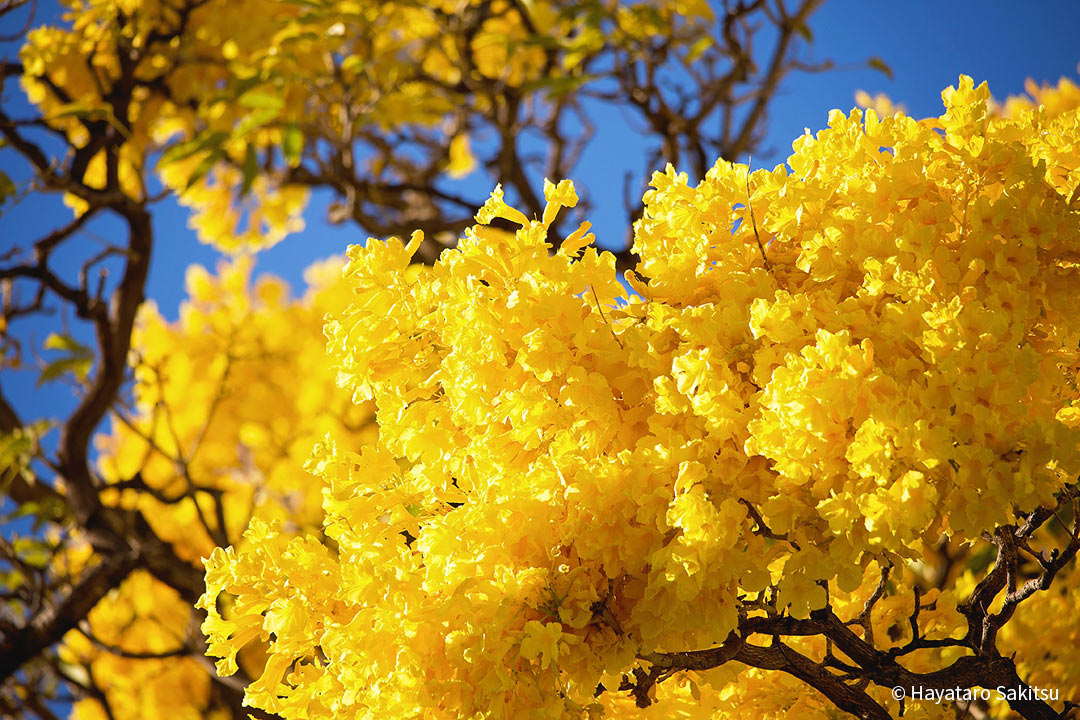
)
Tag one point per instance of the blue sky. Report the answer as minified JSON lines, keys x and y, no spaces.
{"x":927,"y":45}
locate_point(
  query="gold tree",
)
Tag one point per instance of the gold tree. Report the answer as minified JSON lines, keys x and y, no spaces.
{"x":831,"y":442}
{"x":237,"y":109}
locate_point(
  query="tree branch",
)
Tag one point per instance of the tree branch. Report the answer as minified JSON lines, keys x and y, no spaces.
{"x":49,"y":625}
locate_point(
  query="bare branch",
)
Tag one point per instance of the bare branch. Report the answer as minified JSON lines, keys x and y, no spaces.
{"x":48,"y":626}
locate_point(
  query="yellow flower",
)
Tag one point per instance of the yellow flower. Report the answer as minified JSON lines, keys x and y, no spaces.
{"x":541,"y":640}
{"x":496,"y":207}
{"x":558,"y":197}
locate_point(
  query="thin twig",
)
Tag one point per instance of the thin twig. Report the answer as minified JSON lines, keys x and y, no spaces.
{"x":753,"y":220}
{"x":604,"y":317}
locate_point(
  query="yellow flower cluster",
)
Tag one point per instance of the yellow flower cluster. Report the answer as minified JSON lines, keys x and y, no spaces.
{"x":228,"y":403}
{"x":827,"y":366}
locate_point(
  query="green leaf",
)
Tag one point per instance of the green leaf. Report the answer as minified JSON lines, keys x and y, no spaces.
{"x":68,"y":344}
{"x":254,"y":121}
{"x":240,"y":86}
{"x":23,"y":510}
{"x":7,"y":188}
{"x":77,"y":366}
{"x":79,"y":110}
{"x":308,"y":36}
{"x":251,"y":170}
{"x":48,"y":510}
{"x":204,"y":167}
{"x":293,"y":144}
{"x":698,"y":48}
{"x":547,"y":42}
{"x":557,"y":87}
{"x":880,"y":65}
{"x":86,"y":112}
{"x":354,"y":63}
{"x":199,"y":143}
{"x":16,"y":448}
{"x":804,"y":30}
{"x":11,"y":580}
{"x":77,"y":359}
{"x":33,"y":551}
{"x":261,"y":100}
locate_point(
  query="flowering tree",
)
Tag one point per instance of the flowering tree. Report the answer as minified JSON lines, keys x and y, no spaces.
{"x":180,"y":435}
{"x":824,"y":456}
{"x":824,"y":451}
